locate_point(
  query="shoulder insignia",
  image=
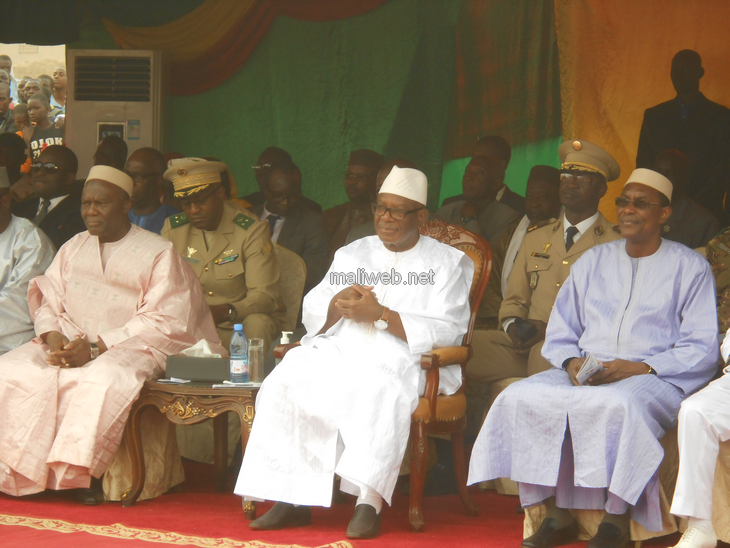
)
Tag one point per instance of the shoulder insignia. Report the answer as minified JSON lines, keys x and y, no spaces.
{"x":598,"y":230}
{"x":179,"y":220}
{"x":617,"y":230}
{"x":540,"y":224}
{"x":243,"y":221}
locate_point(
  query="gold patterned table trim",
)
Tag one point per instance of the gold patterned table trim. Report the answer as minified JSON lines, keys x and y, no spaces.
{"x":117,"y":530}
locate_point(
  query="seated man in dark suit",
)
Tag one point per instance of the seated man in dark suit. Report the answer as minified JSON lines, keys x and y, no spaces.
{"x":690,"y":223}
{"x":497,"y":146}
{"x":293,"y":225}
{"x":268,"y":159}
{"x":479,"y":210}
{"x":57,"y":210}
{"x":696,"y":126}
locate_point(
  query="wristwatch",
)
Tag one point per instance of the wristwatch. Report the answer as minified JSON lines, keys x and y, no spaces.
{"x":382,"y":323}
{"x":93,"y":351}
{"x":232,"y":313}
{"x":467,"y":220}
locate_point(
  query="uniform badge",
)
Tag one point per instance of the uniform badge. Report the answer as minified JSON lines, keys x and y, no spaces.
{"x":225,"y":260}
{"x":182,"y":172}
{"x":577,"y":145}
{"x":546,"y":247}
{"x":228,"y":253}
{"x":534,"y":276}
{"x":598,"y":230}
{"x":191,"y":251}
{"x":540,"y":255}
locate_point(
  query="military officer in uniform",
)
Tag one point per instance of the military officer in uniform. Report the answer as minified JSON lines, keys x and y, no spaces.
{"x":228,"y":248}
{"x":542,"y":265}
{"x":231,"y":252}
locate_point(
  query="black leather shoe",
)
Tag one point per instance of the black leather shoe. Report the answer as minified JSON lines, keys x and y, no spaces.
{"x":365,"y":522}
{"x":93,"y":496}
{"x":549,"y":535}
{"x":283,"y":515}
{"x":609,"y":536}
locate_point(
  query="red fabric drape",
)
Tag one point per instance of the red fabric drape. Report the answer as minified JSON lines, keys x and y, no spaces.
{"x":231,"y":52}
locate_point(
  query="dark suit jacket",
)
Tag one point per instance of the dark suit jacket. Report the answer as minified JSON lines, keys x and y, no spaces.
{"x":305,"y":234}
{"x":62,"y":223}
{"x":509,"y":198}
{"x":257,"y":199}
{"x":704,"y":136}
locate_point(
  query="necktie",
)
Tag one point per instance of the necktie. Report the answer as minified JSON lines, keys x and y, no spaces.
{"x":272,"y":222}
{"x":42,"y":212}
{"x":569,"y":235}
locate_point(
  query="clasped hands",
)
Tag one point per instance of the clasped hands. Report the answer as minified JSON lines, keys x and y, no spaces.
{"x":359,"y":304}
{"x":613,"y":371}
{"x":523,"y":347}
{"x":64,"y":353}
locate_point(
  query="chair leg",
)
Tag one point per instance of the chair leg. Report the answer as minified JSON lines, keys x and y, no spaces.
{"x":457,"y":446}
{"x":133,"y":437}
{"x":220,"y":451}
{"x":419,"y":464}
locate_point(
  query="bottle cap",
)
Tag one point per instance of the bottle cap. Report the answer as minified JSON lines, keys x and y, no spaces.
{"x":285,"y":337}
{"x":238,"y":327}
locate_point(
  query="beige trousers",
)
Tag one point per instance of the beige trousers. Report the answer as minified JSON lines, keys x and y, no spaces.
{"x":495,"y":358}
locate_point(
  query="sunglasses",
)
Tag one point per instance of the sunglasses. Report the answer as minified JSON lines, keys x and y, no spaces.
{"x":48,"y":167}
{"x":582,"y":180}
{"x":638,"y":204}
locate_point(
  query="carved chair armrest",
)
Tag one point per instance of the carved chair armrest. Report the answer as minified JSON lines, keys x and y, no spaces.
{"x":280,"y":350}
{"x":432,"y":361}
{"x":448,"y":355}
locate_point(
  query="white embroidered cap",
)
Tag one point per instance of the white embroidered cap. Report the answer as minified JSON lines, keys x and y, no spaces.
{"x":652,"y":179}
{"x":111,"y":175}
{"x":406,"y":182}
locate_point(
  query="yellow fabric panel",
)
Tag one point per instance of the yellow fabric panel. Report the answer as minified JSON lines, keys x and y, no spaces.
{"x":615,"y":59}
{"x":189,"y":36}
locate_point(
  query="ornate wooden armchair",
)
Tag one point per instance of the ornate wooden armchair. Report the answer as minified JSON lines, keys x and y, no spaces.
{"x":446,"y":414}
{"x":435,"y":414}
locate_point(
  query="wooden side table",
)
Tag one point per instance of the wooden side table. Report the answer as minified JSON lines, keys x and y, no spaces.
{"x":190,"y":403}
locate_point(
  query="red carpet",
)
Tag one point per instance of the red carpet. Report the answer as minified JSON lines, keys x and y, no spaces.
{"x":199,"y":512}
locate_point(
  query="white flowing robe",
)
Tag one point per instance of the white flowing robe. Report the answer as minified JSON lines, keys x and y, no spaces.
{"x":354,"y":383}
{"x":25,"y":252}
{"x":59,"y":427}
{"x":660,"y":311}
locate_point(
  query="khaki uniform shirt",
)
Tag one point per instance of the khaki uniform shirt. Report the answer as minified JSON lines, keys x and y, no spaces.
{"x":543,"y":264}
{"x":239,"y":268}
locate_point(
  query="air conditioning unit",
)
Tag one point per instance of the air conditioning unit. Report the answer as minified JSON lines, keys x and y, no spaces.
{"x":112,"y":92}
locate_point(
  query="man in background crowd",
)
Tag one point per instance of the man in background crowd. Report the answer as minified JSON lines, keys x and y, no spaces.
{"x":146,"y":166}
{"x":26,"y":253}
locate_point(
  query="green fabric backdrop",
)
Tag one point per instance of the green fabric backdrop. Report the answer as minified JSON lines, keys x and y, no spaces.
{"x":404,"y":79}
{"x":381,"y":80}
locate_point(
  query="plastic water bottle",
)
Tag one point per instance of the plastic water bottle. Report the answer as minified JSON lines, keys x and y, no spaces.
{"x":239,"y":355}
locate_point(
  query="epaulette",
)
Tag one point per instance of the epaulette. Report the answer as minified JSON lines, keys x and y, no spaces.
{"x":541,"y":224}
{"x":243,"y":221}
{"x":617,"y":230}
{"x":179,"y":220}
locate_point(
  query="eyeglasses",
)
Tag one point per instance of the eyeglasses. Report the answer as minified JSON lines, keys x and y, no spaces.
{"x":260,"y":166}
{"x":48,"y":167}
{"x":395,"y":214}
{"x":360,"y":176}
{"x":638,"y":204}
{"x":582,"y":180}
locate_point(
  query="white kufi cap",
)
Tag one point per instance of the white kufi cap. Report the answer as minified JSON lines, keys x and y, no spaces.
{"x":111,"y":175}
{"x":652,"y":179}
{"x":406,"y":182}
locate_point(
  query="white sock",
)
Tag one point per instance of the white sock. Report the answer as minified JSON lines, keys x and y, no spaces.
{"x":371,"y":497}
{"x":704,"y":525}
